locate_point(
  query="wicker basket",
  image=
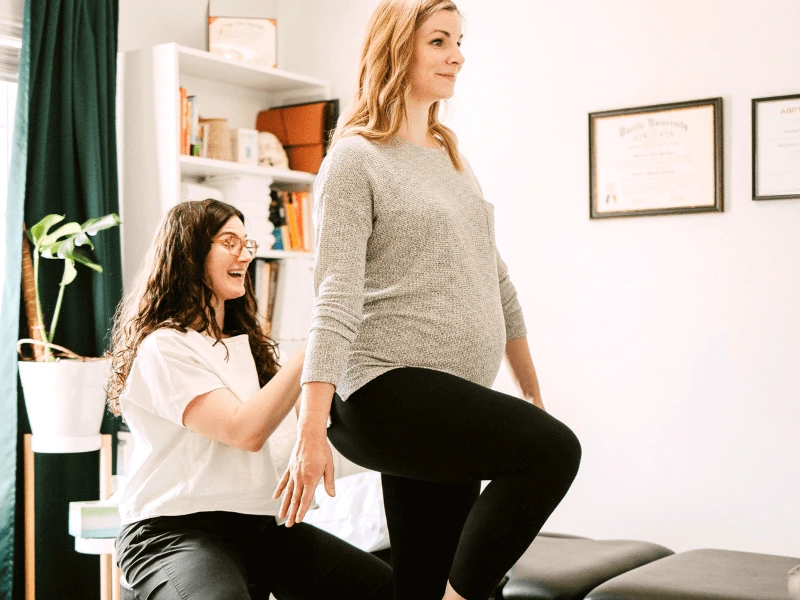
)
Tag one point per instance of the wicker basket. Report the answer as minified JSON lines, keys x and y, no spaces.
{"x":219,"y":139}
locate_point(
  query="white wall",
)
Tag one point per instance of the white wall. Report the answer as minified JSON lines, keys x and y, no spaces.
{"x":322,"y":39}
{"x":667,"y":343}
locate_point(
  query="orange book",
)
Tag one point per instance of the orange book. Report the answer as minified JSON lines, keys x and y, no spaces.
{"x":285,"y":228}
{"x":308,"y":223}
{"x":298,"y":205}
{"x":291,"y":217}
{"x":184,"y":119}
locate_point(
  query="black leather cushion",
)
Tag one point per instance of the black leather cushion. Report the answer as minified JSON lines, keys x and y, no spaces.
{"x":703,"y":575}
{"x":561,"y":568}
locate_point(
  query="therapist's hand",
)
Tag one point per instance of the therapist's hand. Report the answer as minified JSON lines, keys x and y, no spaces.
{"x":311,"y":461}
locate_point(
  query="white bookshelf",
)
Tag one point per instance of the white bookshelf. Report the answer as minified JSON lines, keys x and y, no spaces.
{"x":222,"y":70}
{"x":148,"y":121}
{"x":196,"y":167}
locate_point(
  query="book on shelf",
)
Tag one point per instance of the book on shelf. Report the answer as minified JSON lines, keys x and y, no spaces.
{"x":182,"y":96}
{"x":265,"y":287}
{"x":272,"y":291}
{"x":292,"y":216}
{"x":290,"y":213}
{"x":191,"y":133}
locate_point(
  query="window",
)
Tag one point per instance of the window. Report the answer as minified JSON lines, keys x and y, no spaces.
{"x":10,"y":44}
{"x":8,"y":98}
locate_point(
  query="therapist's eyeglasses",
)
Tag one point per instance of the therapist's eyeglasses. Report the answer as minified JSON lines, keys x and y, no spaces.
{"x":235,"y":244}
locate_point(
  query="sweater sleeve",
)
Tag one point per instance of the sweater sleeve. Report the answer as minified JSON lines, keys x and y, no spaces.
{"x":512,"y":311}
{"x":342,"y":226}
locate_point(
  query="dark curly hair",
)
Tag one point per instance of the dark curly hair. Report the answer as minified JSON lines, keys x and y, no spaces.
{"x":170,"y":291}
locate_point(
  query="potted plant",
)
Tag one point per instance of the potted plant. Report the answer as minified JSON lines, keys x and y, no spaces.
{"x":64,"y":392}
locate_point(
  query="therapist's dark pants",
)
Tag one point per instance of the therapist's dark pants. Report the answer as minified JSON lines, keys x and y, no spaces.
{"x":230,"y":556}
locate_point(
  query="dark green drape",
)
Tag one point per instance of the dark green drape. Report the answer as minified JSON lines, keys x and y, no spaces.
{"x":66,"y":129}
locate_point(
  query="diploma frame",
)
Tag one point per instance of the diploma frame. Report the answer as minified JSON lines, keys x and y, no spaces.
{"x":249,"y":40}
{"x":687,"y":133}
{"x":761,"y":177}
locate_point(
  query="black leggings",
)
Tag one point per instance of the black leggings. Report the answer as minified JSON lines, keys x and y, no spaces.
{"x":434,"y":437}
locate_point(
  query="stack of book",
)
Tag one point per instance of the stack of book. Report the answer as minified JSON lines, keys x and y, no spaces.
{"x":290,"y":213}
{"x":251,"y":195}
{"x":191,"y":136}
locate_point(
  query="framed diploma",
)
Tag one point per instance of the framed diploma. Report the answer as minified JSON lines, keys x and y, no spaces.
{"x":252,"y":41}
{"x":656,"y":160}
{"x":776,"y":148}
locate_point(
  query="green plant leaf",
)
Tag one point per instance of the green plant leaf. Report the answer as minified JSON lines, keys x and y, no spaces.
{"x":86,"y":261}
{"x":68,"y":229}
{"x":59,"y":249}
{"x":70,"y":272}
{"x":92,"y":226}
{"x":83,"y":240}
{"x":61,"y":245}
{"x":42,"y":227}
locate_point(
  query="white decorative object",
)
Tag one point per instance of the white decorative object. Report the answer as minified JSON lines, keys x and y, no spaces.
{"x":65,"y":401}
{"x":270,"y":151}
{"x":244,"y":145}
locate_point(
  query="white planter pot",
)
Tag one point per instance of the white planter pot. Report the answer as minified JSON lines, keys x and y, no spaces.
{"x":65,"y":401}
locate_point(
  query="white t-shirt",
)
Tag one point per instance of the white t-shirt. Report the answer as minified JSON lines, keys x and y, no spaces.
{"x":175,"y":471}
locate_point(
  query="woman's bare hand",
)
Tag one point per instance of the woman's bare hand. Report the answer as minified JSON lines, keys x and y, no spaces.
{"x":311,"y":461}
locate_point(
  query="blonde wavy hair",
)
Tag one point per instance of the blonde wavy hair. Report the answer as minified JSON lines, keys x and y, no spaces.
{"x":379,"y":104}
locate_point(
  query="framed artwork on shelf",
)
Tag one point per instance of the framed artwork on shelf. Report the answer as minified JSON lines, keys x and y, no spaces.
{"x":776,"y":147}
{"x":251,"y":41}
{"x":656,"y":160}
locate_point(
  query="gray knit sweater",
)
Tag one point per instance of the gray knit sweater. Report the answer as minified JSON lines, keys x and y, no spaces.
{"x":406,"y":272}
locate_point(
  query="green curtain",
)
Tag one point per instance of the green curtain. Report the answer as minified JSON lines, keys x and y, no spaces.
{"x":64,"y":162}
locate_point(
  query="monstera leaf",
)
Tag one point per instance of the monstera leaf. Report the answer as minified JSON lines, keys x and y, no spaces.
{"x":62,"y":244}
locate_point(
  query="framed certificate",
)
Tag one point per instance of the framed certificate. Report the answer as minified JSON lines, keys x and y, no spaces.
{"x":776,"y":148}
{"x":656,"y":160}
{"x":252,"y":41}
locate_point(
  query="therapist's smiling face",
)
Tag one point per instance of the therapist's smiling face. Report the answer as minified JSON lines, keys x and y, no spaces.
{"x":227,"y":260}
